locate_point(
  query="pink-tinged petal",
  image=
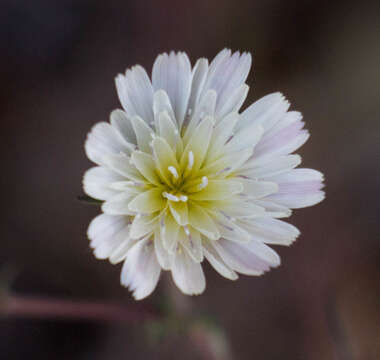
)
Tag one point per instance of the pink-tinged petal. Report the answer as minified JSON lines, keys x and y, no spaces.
{"x":250,"y":258}
{"x":226,"y":74}
{"x":141,"y":270}
{"x":270,"y":231}
{"x":299,"y":188}
{"x":278,"y":142}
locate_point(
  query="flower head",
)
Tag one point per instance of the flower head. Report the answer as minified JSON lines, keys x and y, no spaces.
{"x":185,"y":176}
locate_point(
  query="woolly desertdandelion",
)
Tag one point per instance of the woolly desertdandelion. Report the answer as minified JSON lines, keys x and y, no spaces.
{"x":185,"y":176}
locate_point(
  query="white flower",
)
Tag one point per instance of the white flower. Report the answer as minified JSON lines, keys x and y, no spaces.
{"x":185,"y":176}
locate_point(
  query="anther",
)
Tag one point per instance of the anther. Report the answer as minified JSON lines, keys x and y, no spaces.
{"x":173,"y":171}
{"x":190,"y":162}
{"x":204,"y":183}
{"x":170,"y":197}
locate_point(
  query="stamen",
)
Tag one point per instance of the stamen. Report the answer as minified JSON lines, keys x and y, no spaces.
{"x":173,"y":171}
{"x":190,"y":162}
{"x":204,"y":183}
{"x":170,"y":197}
{"x":187,"y":230}
{"x":183,"y":198}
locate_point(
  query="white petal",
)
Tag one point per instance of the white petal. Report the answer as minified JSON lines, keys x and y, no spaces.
{"x":231,"y":231}
{"x":144,"y":134}
{"x":143,"y":225}
{"x":162,"y":254}
{"x":172,"y":73}
{"x":145,"y":164}
{"x":198,"y":143}
{"x":187,"y":274}
{"x":120,"y":253}
{"x":107,"y":233}
{"x":221,"y":133}
{"x":169,"y":229}
{"x":234,"y":102}
{"x":118,"y":204}
{"x":104,"y":139}
{"x":205,"y":108}
{"x":192,"y":243}
{"x":199,"y":78}
{"x":141,"y":270}
{"x":121,"y":164}
{"x":179,"y":211}
{"x":120,"y":121}
{"x":247,"y":137}
{"x":97,"y":180}
{"x":258,"y":189}
{"x":217,"y":262}
{"x":200,"y":220}
{"x":136,"y":93}
{"x":265,"y":112}
{"x":168,"y":130}
{"x":161,"y":103}
{"x":148,"y":202}
{"x":273,"y":209}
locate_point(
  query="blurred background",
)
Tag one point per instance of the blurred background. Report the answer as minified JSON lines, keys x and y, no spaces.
{"x":57,"y":67}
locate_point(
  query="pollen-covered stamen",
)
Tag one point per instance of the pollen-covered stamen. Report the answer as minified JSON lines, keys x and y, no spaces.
{"x":173,"y":171}
{"x":170,"y":197}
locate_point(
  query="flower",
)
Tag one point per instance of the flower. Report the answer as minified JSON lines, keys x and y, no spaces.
{"x":185,"y":176}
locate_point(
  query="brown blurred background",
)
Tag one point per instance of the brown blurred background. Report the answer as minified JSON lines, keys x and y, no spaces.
{"x":57,"y":65}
